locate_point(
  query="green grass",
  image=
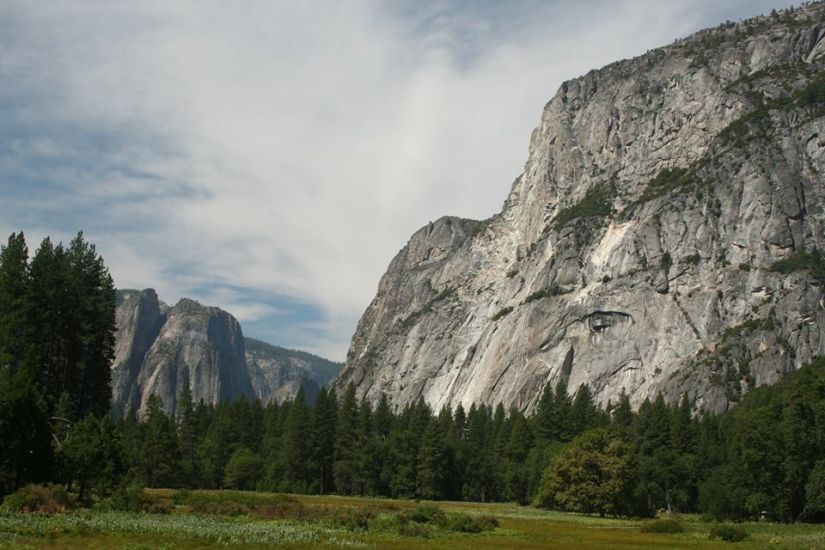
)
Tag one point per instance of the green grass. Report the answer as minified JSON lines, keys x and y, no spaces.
{"x":519,"y":527}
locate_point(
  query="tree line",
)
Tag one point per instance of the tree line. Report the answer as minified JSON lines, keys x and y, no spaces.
{"x":764,"y":457}
{"x":57,"y":326}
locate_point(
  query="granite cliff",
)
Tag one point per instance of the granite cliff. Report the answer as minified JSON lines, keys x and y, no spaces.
{"x":278,"y":373}
{"x":161,"y":349}
{"x":662,"y":238}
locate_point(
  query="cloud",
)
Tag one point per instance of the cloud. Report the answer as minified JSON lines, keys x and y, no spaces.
{"x":282,"y":152}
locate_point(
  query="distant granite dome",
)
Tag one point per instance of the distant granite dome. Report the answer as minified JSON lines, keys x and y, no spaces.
{"x":657,"y":241}
{"x":160,"y":350}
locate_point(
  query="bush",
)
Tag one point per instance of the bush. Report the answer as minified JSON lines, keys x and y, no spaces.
{"x":427,"y":514}
{"x":669,"y":179}
{"x":49,"y":499}
{"x":126,"y":498}
{"x":235,"y":503}
{"x":465,"y":523}
{"x":662,"y":526}
{"x":729,"y":533}
{"x":412,"y":529}
{"x":356,"y":519}
{"x":547,"y":292}
{"x":802,"y":261}
{"x":502,"y":313}
{"x":596,"y":203}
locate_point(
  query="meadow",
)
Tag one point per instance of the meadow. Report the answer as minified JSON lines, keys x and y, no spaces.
{"x":206,"y":519}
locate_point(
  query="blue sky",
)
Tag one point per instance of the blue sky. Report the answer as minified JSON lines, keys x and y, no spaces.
{"x":271,"y":157}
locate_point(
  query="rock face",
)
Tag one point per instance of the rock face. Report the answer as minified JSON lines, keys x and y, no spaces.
{"x":139,"y":317}
{"x":278,"y":373}
{"x":161,"y":349}
{"x":638,"y":251}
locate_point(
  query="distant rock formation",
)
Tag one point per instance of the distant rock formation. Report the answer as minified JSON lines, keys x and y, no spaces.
{"x":278,"y":373}
{"x":662,"y":238}
{"x":161,"y":349}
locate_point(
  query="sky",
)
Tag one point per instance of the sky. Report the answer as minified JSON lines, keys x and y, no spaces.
{"x":271,"y":157}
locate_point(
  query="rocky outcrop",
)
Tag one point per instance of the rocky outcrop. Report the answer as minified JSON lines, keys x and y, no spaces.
{"x":277,"y":374}
{"x":660,"y":239}
{"x":194,"y":345}
{"x":160,"y":350}
{"x":139,"y":318}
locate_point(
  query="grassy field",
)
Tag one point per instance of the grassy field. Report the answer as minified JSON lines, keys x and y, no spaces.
{"x":206,"y":519}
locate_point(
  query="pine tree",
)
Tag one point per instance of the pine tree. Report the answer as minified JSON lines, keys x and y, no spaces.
{"x":187,"y":437}
{"x":403,"y":447}
{"x":243,"y":470}
{"x":217,"y":446}
{"x":432,"y":466}
{"x":91,"y":456}
{"x":345,"y":468}
{"x":622,"y":418}
{"x":799,"y":449}
{"x":14,"y":282}
{"x":26,"y":451}
{"x":71,"y":323}
{"x":94,"y":302}
{"x":271,"y":445}
{"x":295,"y":451}
{"x":546,"y":418}
{"x":383,"y":422}
{"x":563,"y":404}
{"x":159,"y":451}
{"x":682,"y":429}
{"x":479,"y":479}
{"x":584,"y":414}
{"x":364,"y":456}
{"x":518,"y":448}
{"x":323,"y":420}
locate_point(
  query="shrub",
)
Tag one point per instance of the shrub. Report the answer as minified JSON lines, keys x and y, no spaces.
{"x":49,"y":499}
{"x":813,"y":94}
{"x":666,"y":261}
{"x":233,"y":503}
{"x":547,"y":292}
{"x":412,"y":529}
{"x":802,"y":261}
{"x":356,"y":519}
{"x":662,"y":526}
{"x":669,"y":179}
{"x":126,"y":498}
{"x":502,"y":313}
{"x":465,"y":523}
{"x":597,"y":203}
{"x":729,"y":533}
{"x":427,"y":514}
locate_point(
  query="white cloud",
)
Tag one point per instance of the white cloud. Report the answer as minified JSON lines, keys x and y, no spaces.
{"x":291,"y":148}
